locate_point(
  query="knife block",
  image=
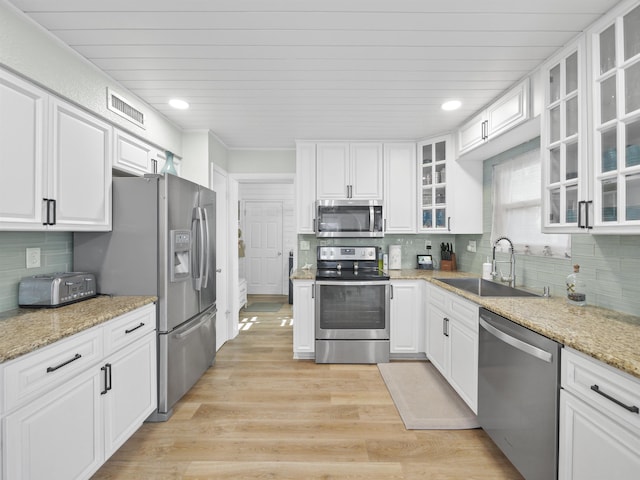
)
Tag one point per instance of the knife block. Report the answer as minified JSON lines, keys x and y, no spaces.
{"x":449,"y":265}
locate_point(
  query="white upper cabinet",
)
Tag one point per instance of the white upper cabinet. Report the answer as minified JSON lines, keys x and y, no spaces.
{"x":565,"y":168}
{"x":22,"y":159}
{"x":591,"y":130}
{"x":449,"y":190}
{"x":56,"y":162}
{"x":614,"y":43}
{"x":400,"y":199}
{"x":505,"y":113}
{"x":349,"y":171}
{"x":80,"y":170}
{"x":305,"y":186}
{"x":134,"y":156}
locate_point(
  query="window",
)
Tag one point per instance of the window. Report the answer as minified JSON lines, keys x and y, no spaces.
{"x":517,"y":208}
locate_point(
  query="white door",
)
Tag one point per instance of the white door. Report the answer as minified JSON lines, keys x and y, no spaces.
{"x":219,"y":185}
{"x":264,"y":259}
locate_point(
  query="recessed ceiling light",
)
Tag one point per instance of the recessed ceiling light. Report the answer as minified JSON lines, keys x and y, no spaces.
{"x":451,"y":105}
{"x":178,"y":104}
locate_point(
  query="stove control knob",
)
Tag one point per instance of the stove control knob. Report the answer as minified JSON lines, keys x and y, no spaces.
{"x":339,"y":267}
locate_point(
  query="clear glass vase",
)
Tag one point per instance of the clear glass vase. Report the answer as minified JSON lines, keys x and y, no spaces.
{"x":169,"y":167}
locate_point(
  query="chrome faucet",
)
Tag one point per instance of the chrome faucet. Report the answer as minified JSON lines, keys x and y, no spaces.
{"x":512,"y":264}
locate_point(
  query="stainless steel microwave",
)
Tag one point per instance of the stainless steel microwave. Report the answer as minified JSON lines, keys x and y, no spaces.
{"x":349,"y":218}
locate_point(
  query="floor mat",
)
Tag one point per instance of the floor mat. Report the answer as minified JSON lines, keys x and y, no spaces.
{"x":263,"y":307}
{"x":424,"y":399}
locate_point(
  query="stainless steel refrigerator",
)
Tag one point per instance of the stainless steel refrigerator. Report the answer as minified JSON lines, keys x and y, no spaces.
{"x":162,"y":243}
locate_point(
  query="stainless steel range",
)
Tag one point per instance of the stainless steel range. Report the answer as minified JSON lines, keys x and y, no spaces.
{"x":352,"y":306}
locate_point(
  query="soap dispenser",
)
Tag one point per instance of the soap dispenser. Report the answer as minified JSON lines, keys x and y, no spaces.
{"x":576,"y":288}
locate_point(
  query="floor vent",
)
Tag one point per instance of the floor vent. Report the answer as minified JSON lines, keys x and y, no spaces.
{"x":118,"y":104}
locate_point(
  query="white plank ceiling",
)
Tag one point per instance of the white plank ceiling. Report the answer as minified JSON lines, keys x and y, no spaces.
{"x":263,"y":73}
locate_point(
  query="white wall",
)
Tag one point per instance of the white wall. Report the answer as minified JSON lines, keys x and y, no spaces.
{"x":31,"y":51}
{"x":261,"y":161}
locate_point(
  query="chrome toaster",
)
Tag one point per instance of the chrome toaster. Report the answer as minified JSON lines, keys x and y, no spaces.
{"x":56,"y":289}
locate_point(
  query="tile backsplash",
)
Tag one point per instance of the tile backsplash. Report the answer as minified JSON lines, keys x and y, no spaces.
{"x":56,"y":249}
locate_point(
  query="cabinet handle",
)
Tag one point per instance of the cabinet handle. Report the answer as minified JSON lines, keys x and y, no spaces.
{"x":588,"y":223}
{"x":51,"y":204}
{"x":581,"y":205}
{"x":632,"y":409}
{"x":445,"y":326}
{"x":134,"y":328}
{"x":107,"y":378}
{"x":485,"y":129}
{"x":53,"y":369}
{"x":108,"y":365}
{"x":313,"y":291}
{"x":449,"y":224}
{"x":155,"y":165}
{"x":391,"y":291}
{"x":45,"y":211}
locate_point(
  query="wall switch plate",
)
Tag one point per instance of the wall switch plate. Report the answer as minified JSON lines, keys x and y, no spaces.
{"x":33,"y":257}
{"x":304,"y":245}
{"x":471,"y":247}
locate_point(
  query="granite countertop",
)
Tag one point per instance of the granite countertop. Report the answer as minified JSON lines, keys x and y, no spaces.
{"x":26,"y":329}
{"x":607,"y":335}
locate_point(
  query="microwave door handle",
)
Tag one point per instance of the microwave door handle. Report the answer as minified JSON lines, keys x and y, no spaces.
{"x":372,"y":218}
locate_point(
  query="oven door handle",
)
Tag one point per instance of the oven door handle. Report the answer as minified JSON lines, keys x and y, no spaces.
{"x":516,"y":343}
{"x":355,"y":284}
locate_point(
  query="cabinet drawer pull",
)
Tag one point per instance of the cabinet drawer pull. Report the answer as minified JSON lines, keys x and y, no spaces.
{"x":632,"y":409}
{"x":53,"y":369}
{"x":107,"y":378}
{"x":134,"y":328}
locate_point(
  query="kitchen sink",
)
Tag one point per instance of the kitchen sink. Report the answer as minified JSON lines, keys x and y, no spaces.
{"x":485,"y":288}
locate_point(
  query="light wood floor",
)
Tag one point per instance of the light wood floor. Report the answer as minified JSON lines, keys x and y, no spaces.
{"x":259,"y":414}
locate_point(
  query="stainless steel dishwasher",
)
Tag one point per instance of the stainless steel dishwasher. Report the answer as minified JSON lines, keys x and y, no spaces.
{"x":518,"y":394}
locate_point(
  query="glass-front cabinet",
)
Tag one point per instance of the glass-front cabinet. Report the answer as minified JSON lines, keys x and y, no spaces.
{"x":433,"y":163}
{"x":615,"y":77}
{"x":565,"y":193}
{"x":449,"y":190}
{"x":591,"y":169}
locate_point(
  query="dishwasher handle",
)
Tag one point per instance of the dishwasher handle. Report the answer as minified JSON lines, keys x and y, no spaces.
{"x":517,"y":343}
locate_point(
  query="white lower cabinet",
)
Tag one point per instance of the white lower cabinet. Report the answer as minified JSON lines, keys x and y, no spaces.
{"x":406,"y":319}
{"x":452,"y":341}
{"x":304,"y":338}
{"x":132,"y":392}
{"x":71,"y":425}
{"x":599,"y":426}
{"x":59,"y":435}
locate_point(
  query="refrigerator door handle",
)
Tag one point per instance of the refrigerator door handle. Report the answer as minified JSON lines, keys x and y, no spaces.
{"x":196,"y":271}
{"x":201,"y":244}
{"x":206,"y":247}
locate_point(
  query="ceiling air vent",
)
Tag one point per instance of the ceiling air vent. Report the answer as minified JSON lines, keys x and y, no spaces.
{"x":118,"y":104}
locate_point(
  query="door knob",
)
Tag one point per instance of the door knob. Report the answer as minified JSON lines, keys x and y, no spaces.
{"x":218,"y":270}
{"x":279,"y":254}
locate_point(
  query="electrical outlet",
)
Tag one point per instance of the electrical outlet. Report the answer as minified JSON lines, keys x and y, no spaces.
{"x":471,"y":247}
{"x":33,"y":257}
{"x":427,"y":244}
{"x":304,"y":245}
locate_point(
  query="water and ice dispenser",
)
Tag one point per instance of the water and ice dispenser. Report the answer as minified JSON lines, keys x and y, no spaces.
{"x":180,"y":255}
